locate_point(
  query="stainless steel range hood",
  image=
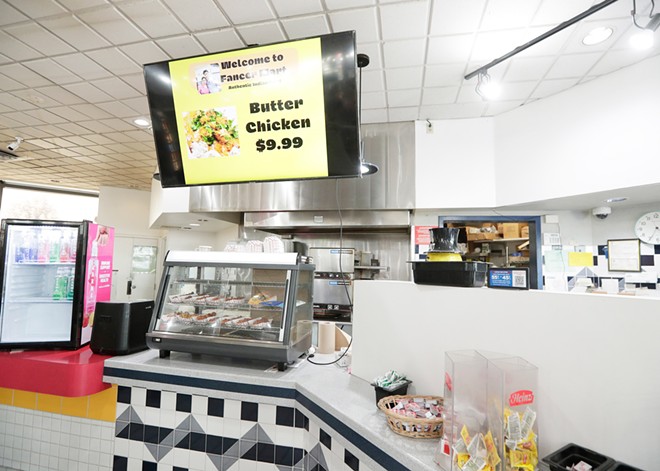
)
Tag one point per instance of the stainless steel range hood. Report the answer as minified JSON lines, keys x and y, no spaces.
{"x":306,"y":221}
{"x":391,"y":146}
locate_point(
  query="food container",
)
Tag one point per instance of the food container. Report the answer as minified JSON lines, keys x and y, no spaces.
{"x":409,"y":426}
{"x":465,"y":274}
{"x":400,"y":390}
{"x":572,"y":454}
{"x":618,"y":466}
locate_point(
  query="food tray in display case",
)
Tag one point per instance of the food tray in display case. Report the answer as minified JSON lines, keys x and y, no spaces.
{"x":244,"y":305}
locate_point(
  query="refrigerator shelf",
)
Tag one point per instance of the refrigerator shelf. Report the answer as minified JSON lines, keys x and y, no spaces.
{"x":38,"y":300}
{"x":44,"y":264}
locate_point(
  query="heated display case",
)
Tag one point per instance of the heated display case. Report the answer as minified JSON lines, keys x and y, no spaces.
{"x":243,"y":305}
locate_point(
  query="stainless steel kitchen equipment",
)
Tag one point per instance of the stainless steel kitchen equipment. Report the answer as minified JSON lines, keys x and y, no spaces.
{"x":333,"y":283}
{"x":243,"y":305}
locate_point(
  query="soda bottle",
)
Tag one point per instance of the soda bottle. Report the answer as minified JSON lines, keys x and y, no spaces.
{"x":54,"y":255}
{"x":43,"y":251}
{"x":61,"y":279}
{"x":70,"y":284}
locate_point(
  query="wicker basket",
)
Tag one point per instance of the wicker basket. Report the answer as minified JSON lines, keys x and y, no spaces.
{"x":409,"y":426}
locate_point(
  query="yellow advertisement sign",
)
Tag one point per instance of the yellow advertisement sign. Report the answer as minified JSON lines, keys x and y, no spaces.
{"x":253,"y":114}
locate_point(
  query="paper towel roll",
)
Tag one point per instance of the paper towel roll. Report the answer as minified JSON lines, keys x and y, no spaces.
{"x":326,"y":337}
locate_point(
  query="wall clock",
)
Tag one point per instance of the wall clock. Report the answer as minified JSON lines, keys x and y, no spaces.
{"x":647,"y":228}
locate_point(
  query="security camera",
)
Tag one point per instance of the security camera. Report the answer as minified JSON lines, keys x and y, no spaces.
{"x":601,"y":212}
{"x":15,"y":145}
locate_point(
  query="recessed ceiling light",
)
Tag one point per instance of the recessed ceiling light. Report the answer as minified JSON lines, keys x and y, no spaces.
{"x":597,"y":35}
{"x":193,"y":224}
{"x":141,"y":122}
{"x":616,"y":199}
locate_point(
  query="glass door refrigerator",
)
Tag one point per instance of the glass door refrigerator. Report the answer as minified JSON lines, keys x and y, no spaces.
{"x":53,"y":273}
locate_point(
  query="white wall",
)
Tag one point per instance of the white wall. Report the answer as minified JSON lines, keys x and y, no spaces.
{"x":126,"y":210}
{"x":597,"y":136}
{"x":454,"y":164}
{"x":598,"y":356}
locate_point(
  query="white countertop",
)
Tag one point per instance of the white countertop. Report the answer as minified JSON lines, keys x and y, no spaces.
{"x":348,"y":398}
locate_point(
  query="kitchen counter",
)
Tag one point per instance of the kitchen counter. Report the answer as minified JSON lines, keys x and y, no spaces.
{"x":342,"y":405}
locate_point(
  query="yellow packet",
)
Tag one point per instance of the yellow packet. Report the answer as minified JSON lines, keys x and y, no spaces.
{"x":493,"y":457}
{"x":529,"y":444}
{"x":466,"y":435}
{"x":521,"y":459}
{"x":461,"y":459}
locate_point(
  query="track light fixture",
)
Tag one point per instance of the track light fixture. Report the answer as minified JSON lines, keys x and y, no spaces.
{"x":482,"y":72}
{"x":643,"y":39}
{"x":366,"y":168}
{"x":486,"y":87}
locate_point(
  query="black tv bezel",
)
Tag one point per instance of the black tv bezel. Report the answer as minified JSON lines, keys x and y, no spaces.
{"x":342,"y":127}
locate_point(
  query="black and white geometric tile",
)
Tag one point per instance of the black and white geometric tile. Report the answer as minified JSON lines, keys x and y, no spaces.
{"x":215,"y":434}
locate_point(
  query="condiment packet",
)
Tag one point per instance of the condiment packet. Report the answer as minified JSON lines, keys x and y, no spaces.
{"x":460,"y":447}
{"x":462,"y":459}
{"x":522,"y":459}
{"x":477,"y":447}
{"x":465,"y":435}
{"x":528,"y":419}
{"x":513,"y":428}
{"x":581,"y":466}
{"x":493,"y":457}
{"x":475,"y":464}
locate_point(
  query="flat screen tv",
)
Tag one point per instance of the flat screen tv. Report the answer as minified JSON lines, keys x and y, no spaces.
{"x":283,"y":111}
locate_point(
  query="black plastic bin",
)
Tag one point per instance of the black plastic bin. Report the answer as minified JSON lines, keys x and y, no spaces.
{"x":465,"y":274}
{"x":384,"y":392}
{"x":572,"y":454}
{"x":618,"y":466}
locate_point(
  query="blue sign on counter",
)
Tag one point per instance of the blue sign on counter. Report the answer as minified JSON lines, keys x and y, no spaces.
{"x":511,"y":278}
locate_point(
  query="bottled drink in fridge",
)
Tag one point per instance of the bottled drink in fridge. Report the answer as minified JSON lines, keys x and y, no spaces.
{"x":61,"y":282}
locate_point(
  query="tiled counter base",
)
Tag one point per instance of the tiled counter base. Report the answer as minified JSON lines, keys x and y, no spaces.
{"x":189,"y":413}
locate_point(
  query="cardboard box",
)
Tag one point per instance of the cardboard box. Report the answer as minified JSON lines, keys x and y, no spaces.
{"x":524,"y":232}
{"x":511,"y":230}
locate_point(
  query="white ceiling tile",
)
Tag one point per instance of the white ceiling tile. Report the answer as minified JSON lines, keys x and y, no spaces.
{"x":453,"y":111}
{"x":364,"y":21}
{"x":88,"y":92}
{"x":553,"y":13}
{"x":205,"y":14}
{"x":286,"y":8}
{"x":409,"y":52}
{"x":528,"y":68}
{"x":136,"y":81}
{"x":8,"y":84}
{"x":373,"y":81}
{"x":238,"y":13}
{"x":468,"y":94}
{"x":77,"y":34}
{"x":410,"y":113}
{"x":144,"y":53}
{"x":99,"y":139}
{"x":34,"y":132}
{"x":15,"y":49}
{"x":117,"y":109}
{"x":218,"y":41}
{"x":74,"y":5}
{"x":448,"y":49}
{"x":117,"y":124}
{"x":622,"y":9}
{"x":4,"y":59}
{"x":72,"y":128}
{"x":554,"y":45}
{"x":374,"y":116}
{"x":341,"y":4}
{"x":60,"y":95}
{"x":36,"y":98}
{"x":306,"y":26}
{"x":492,"y":44}
{"x":81,"y":141}
{"x":114,"y":60}
{"x":39,"y":38}
{"x":413,"y":15}
{"x":116,"y":88}
{"x":262,"y":33}
{"x":152,"y":17}
{"x":112,"y":25}
{"x":443,"y":75}
{"x":573,"y":65}
{"x":9,"y":15}
{"x":373,"y":100}
{"x":139,"y":105}
{"x":60,"y":142}
{"x":397,"y":98}
{"x":37,"y":8}
{"x":181,"y":46}
{"x":574,"y":44}
{"x":68,"y":113}
{"x":406,"y":77}
{"x":503,"y":14}
{"x":51,"y":70}
{"x":83,"y":66}
{"x":439,"y":95}
{"x":374,"y":53}
{"x":550,"y":87}
{"x":613,"y":61}
{"x":24,"y":119}
{"x":456,"y":17}
{"x":517,"y":90}
{"x":45,"y":116}
{"x":498,"y":107}
{"x":4,"y":109}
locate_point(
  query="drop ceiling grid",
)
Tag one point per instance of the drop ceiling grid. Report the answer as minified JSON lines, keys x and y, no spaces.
{"x":71,"y":70}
